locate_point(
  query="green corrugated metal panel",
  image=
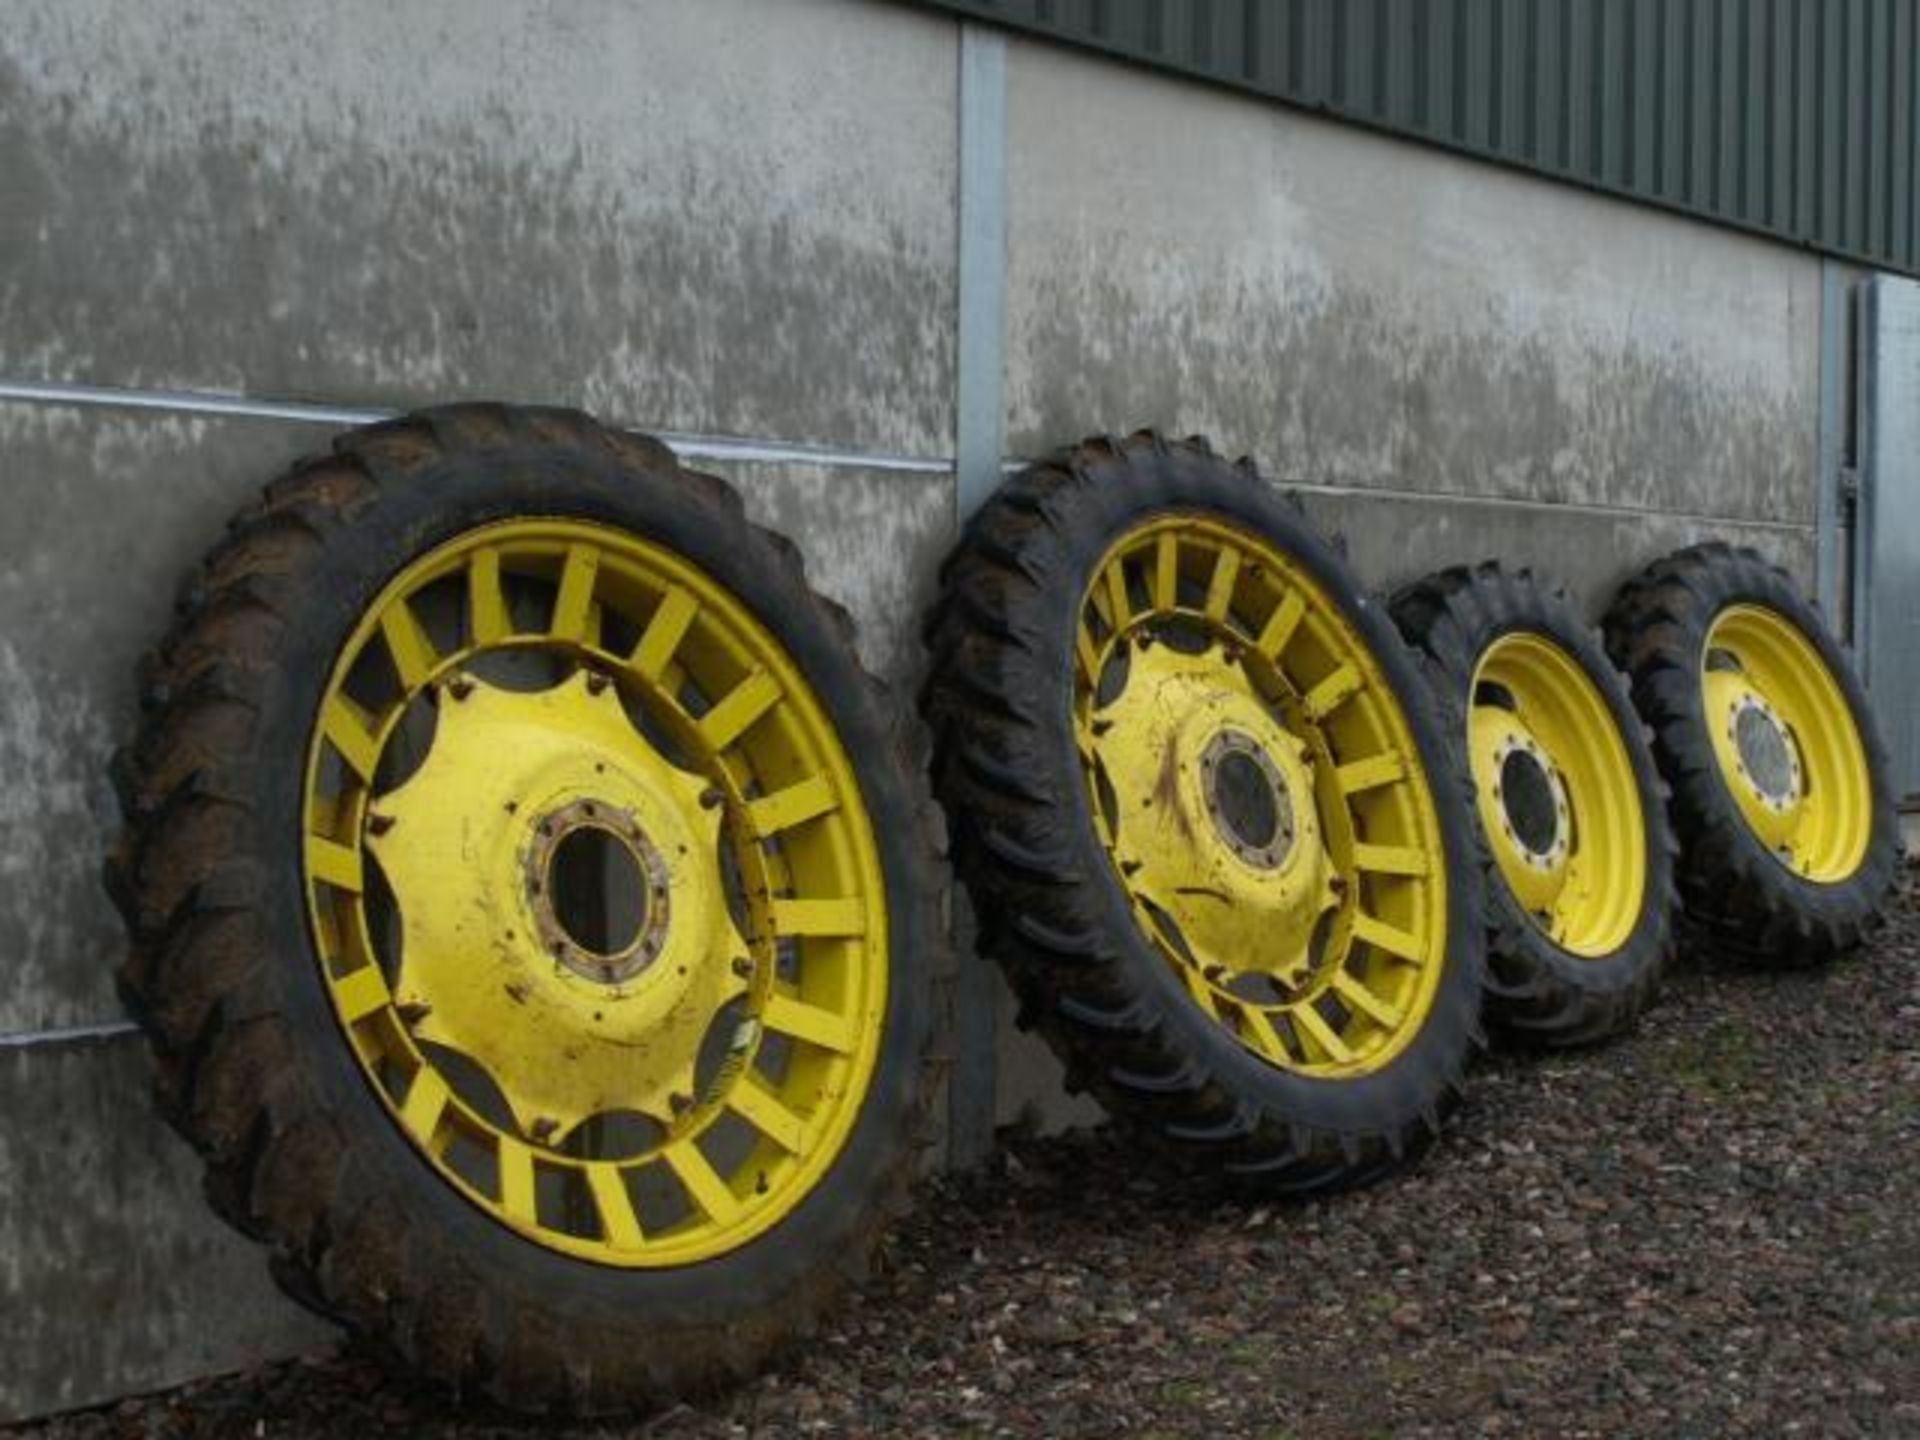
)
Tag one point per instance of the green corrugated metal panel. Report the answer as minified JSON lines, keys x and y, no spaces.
{"x":1798,"y":118}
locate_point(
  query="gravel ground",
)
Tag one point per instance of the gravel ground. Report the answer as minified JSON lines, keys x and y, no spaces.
{"x":1711,"y":1227}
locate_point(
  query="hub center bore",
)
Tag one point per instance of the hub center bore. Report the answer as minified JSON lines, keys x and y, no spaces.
{"x":1767,"y":753}
{"x":1532,"y":804}
{"x":597,"y":888}
{"x":1247,"y":799}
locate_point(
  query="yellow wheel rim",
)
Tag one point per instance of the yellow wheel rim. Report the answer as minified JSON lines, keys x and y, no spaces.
{"x":1557,"y":795}
{"x":667,"y":1087}
{"x":1786,"y":742}
{"x":1255,"y":783}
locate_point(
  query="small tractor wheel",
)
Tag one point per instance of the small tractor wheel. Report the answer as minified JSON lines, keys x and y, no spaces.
{"x":1214,"y":823}
{"x":535,"y":921}
{"x":1572,"y":813}
{"x":1789,"y":841}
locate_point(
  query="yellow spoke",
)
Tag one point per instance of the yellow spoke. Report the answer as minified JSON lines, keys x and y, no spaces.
{"x":1390,"y":938}
{"x":413,"y":654}
{"x":1315,"y":1027}
{"x":1371,"y":773}
{"x":361,"y":992}
{"x":794,"y":805}
{"x":1201,"y":991}
{"x":768,"y":1113}
{"x":1088,"y":655}
{"x":1226,"y":571}
{"x":744,"y":704}
{"x":1334,"y":691}
{"x":618,"y":1223}
{"x":846,"y":917}
{"x":338,"y":865}
{"x":1359,"y":997}
{"x":1166,"y":572}
{"x":801,"y":1021}
{"x":575,"y":600}
{"x":487,"y":617}
{"x":1265,"y":1036}
{"x":702,"y":1182}
{"x":349,"y":729}
{"x":426,"y":1102}
{"x":671,"y":618}
{"x":1280,"y":626}
{"x":1390,"y":859}
{"x":516,"y":1180}
{"x":1117,"y":599}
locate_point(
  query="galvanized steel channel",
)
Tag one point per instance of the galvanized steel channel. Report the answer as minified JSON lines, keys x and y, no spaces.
{"x":980,"y":443}
{"x":1887,"y":539}
{"x":722,"y":448}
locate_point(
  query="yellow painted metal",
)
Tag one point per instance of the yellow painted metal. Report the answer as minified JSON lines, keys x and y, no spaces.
{"x":1586,"y":885}
{"x":679,"y":1093}
{"x":1815,"y":810}
{"x":1257,"y":789}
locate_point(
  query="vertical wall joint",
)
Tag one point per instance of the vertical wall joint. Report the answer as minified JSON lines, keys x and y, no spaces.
{"x":980,"y":421}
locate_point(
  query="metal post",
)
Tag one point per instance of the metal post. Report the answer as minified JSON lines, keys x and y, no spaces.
{"x":980,"y":422}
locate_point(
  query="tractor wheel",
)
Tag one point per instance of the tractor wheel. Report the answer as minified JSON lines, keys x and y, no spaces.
{"x":534,"y":921}
{"x":1572,"y":813}
{"x":1788,"y":836}
{"x":1212,"y":821}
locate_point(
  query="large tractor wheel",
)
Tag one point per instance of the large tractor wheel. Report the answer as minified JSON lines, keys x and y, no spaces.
{"x":535,"y":924}
{"x":1579,"y":853}
{"x":1211,"y":821}
{"x":1788,"y":836}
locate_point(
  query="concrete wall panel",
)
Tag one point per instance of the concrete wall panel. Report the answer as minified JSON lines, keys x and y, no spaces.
{"x":124,"y":503}
{"x":1392,"y":539}
{"x":872,"y":540}
{"x":1359,"y":311}
{"x":682,"y":216}
{"x":113,"y":508}
{"x":114,"y":1275}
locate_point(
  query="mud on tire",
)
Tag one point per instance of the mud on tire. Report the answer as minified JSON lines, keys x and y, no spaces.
{"x":302,"y":1151}
{"x":1726,"y":660}
{"x":1585,"y":972}
{"x":1007,"y":700}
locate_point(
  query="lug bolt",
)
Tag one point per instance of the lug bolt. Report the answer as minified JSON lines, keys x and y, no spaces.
{"x":742,"y":966}
{"x":460,"y":687}
{"x":378,"y":824}
{"x":597,"y":682}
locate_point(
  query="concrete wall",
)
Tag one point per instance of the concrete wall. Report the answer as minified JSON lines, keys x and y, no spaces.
{"x":1405,"y":325}
{"x":682,"y":216}
{"x":732,"y":219}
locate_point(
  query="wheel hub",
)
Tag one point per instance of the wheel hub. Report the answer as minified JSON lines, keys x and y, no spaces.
{"x":1215,"y":826}
{"x":629,"y":866}
{"x":1525,"y":810}
{"x":473,"y":846}
{"x":1533,"y":801}
{"x":1248,"y":799}
{"x":1768,"y":759}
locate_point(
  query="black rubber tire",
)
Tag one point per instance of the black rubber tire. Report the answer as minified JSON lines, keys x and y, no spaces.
{"x":1537,"y":991}
{"x":1050,"y":910}
{"x":1736,"y":891}
{"x":253,"y":1068}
